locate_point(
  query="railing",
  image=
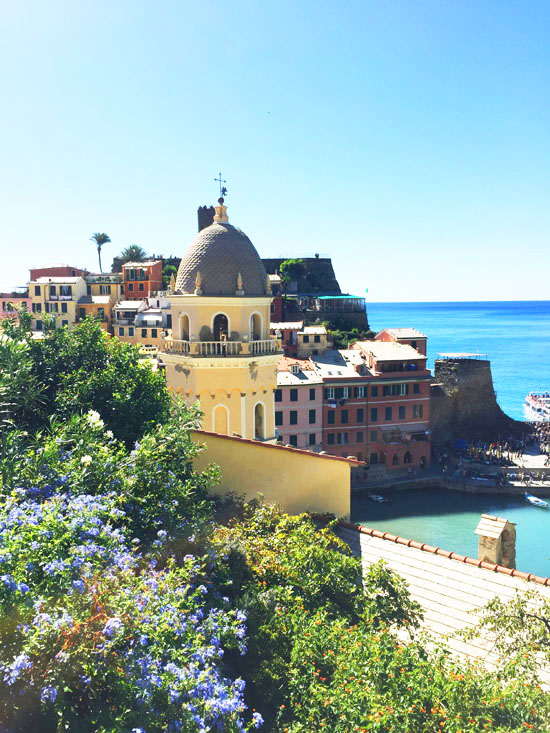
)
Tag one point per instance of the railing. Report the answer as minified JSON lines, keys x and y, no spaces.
{"x":221,"y":348}
{"x":124,"y":321}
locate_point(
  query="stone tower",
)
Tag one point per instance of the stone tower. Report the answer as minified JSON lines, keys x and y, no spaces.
{"x":221,"y":353}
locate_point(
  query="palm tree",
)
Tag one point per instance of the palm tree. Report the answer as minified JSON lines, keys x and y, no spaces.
{"x":100,"y":238}
{"x":132,"y":253}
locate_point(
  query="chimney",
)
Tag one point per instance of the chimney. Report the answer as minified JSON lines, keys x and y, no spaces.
{"x":497,"y":541}
{"x":206,"y":216}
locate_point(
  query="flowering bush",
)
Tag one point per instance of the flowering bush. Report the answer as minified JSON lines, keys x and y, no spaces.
{"x":123,"y":647}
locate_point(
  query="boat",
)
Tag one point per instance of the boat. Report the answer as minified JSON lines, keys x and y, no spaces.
{"x":536,"y":501}
{"x":378,"y":498}
{"x":537,"y":406}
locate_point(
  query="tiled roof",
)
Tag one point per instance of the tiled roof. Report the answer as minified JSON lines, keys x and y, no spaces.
{"x":449,"y":587}
{"x":57,"y":279}
{"x":220,"y":252}
{"x":333,"y":365}
{"x":405,"y":333}
{"x":389,"y":350}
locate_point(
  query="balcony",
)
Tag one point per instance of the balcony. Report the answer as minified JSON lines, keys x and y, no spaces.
{"x":395,"y":437}
{"x":221,"y":348}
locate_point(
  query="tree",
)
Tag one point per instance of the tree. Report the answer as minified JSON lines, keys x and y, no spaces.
{"x":290,"y":270}
{"x":132,"y":253}
{"x":167,"y":272}
{"x":100,"y":238}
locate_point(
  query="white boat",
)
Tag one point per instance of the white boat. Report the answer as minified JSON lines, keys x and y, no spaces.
{"x":536,"y":501}
{"x":378,"y":498}
{"x":537,"y":406}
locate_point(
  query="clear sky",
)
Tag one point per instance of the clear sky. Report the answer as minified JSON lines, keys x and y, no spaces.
{"x":407,"y":139}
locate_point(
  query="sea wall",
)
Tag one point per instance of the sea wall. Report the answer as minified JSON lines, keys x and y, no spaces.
{"x":464,"y":404}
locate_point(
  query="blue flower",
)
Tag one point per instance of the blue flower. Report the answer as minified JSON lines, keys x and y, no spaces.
{"x":23,"y":588}
{"x":112,"y":626}
{"x":48,"y":694}
{"x":257,"y":720}
{"x":79,"y":585}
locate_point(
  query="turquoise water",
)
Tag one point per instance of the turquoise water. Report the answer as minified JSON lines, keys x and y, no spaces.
{"x":514,"y":335}
{"x":448,"y":520}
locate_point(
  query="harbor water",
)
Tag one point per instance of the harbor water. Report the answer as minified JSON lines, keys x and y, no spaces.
{"x":448,"y":520}
{"x":516,"y":338}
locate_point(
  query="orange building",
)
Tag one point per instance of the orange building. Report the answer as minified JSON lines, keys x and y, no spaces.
{"x":142,"y":279}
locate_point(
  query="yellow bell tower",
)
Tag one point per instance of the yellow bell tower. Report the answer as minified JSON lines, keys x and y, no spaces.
{"x":221,"y":353}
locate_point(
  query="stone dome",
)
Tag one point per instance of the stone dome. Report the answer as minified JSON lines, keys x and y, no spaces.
{"x":220,"y":252}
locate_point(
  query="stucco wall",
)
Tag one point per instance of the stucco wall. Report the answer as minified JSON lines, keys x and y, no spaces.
{"x":297,"y":480}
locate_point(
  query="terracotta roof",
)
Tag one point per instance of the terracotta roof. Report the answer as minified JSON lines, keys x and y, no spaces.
{"x":450,"y":587}
{"x":405,"y":333}
{"x":389,"y":350}
{"x":220,"y":252}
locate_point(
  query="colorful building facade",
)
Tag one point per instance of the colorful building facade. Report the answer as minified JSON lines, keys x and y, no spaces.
{"x":299,"y":404}
{"x":142,"y":279}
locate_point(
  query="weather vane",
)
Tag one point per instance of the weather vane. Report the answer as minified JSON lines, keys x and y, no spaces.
{"x":221,"y":181}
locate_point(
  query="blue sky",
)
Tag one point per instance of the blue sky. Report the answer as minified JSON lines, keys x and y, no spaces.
{"x":408,"y":139}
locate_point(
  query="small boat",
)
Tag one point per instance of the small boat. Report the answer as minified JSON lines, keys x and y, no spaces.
{"x":378,"y":499}
{"x":536,"y":501}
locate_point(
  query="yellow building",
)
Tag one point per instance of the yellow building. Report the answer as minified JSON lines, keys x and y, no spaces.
{"x":221,"y":352}
{"x":58,"y":296}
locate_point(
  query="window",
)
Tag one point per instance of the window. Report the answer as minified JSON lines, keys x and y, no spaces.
{"x":169,"y":320}
{"x":417,"y":410}
{"x":416,"y":389}
{"x":293,"y":440}
{"x":120,"y":331}
{"x":312,"y":417}
{"x":52,"y":290}
{"x":395,"y":389}
{"x":64,"y":323}
{"x":330,"y":417}
{"x":143,"y":333}
{"x":65,"y":290}
{"x":401,"y":412}
{"x":306,"y":339}
{"x":63,"y":307}
{"x":294,"y":395}
{"x":360,"y":415}
{"x":278,"y":395}
{"x":82,"y":313}
{"x":374,"y":435}
{"x":130,"y":286}
{"x":130,"y":331}
{"x":344,"y":417}
{"x":342,"y":438}
{"x":373,"y":459}
{"x":312,"y":393}
{"x":329,"y":393}
{"x":317,"y":338}
{"x":374,"y":414}
{"x":100,"y":313}
{"x":312,"y":440}
{"x":374,"y":391}
{"x":278,"y":417}
{"x":294,"y":417}
{"x":341,"y":392}
{"x":153,"y":333}
{"x":395,"y":460}
{"x":387,"y":413}
{"x":330,"y":438}
{"x":359,"y":437}
{"x":141,"y":286}
{"x":38,"y":325}
{"x":88,"y":289}
{"x":105,"y":290}
{"x":37,"y":289}
{"x":359,"y":391}
{"x":359,"y":456}
{"x":37,"y":307}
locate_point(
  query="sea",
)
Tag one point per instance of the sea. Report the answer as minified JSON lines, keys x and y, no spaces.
{"x":515,"y":337}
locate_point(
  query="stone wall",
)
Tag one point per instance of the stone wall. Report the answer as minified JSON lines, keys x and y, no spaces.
{"x":464,"y":404}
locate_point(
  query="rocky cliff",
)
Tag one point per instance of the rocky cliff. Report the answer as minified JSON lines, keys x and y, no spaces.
{"x":464,"y":404}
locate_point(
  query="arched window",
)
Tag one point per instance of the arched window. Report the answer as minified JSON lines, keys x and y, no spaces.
{"x":184,"y":327}
{"x":220,"y":420}
{"x":395,"y":460}
{"x":255,"y":327}
{"x":259,"y":418}
{"x":407,"y":458}
{"x":221,"y":327}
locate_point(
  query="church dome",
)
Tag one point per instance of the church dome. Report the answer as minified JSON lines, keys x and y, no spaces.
{"x":218,"y":255}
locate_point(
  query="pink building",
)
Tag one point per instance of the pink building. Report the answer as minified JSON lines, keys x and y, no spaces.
{"x":9,"y":302}
{"x":299,"y":404}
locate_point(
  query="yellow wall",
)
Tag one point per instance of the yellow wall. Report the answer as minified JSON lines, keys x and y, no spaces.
{"x":78,"y":290}
{"x":138,"y":338}
{"x":201,"y":311}
{"x":297,"y":480}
